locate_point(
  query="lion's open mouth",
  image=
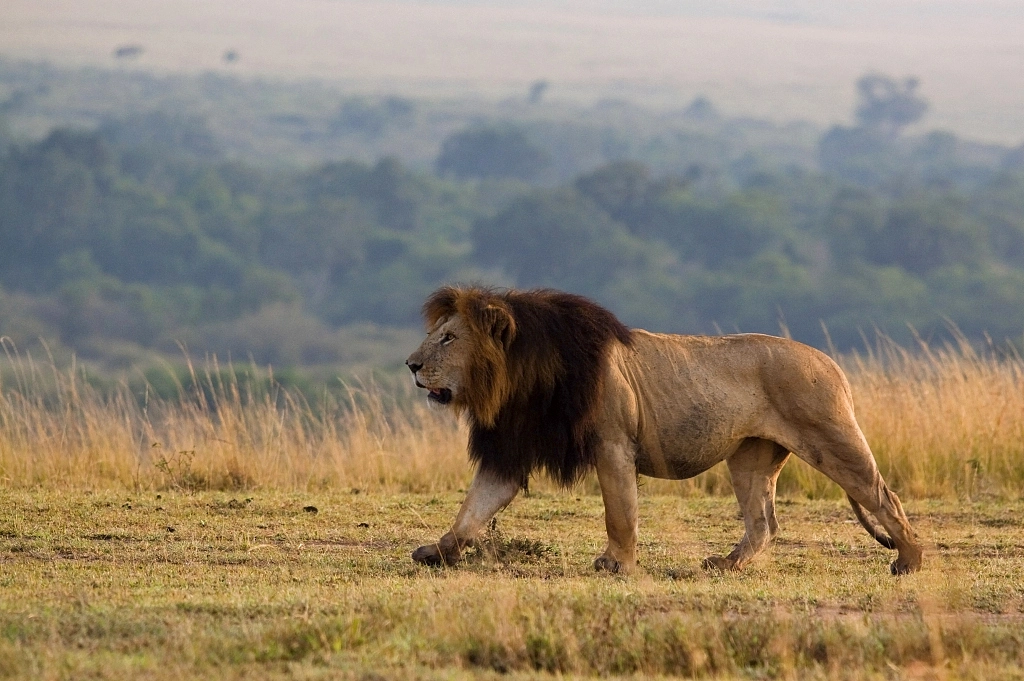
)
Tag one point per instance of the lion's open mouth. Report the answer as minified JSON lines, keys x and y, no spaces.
{"x":440,"y":395}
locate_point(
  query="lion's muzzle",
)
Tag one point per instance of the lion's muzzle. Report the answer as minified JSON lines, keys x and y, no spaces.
{"x":440,"y":395}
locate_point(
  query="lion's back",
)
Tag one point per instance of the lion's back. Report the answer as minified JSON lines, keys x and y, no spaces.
{"x":698,"y":397}
{"x":734,"y":364}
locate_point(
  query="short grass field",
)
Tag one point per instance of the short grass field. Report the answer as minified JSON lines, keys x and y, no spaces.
{"x":169,"y":585}
{"x":243,"y":533}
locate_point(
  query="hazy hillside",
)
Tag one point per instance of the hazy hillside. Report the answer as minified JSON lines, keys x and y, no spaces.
{"x":299,"y":225}
{"x":286,"y":182}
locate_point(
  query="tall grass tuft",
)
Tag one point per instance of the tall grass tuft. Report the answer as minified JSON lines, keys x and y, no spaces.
{"x":945,"y":422}
{"x":220,"y":433}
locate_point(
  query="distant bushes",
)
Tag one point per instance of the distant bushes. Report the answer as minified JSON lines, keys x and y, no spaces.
{"x":491,"y":152}
{"x":122,"y":242}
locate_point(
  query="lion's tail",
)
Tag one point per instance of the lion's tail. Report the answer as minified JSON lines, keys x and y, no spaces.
{"x":882,"y":538}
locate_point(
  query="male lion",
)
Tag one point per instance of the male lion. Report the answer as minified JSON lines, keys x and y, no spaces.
{"x":552,"y":380}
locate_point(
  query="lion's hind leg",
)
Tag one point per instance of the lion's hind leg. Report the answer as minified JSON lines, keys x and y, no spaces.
{"x":843,"y":455}
{"x":755,"y":468}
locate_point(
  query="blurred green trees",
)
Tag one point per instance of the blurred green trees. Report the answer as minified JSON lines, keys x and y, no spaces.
{"x":144,"y":234}
{"x":491,"y":152}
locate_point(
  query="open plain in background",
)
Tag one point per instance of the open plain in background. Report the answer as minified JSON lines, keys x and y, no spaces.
{"x":777,"y":60}
{"x":284,"y":183}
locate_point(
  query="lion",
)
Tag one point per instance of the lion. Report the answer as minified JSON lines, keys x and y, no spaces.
{"x":552,"y":381}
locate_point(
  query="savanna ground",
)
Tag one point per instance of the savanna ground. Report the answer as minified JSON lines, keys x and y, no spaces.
{"x":113,"y":584}
{"x":231,"y":534}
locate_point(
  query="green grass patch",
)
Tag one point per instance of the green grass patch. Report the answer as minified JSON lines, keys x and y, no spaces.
{"x":168,"y":585}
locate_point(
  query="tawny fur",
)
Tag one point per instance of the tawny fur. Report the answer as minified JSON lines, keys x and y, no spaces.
{"x":552,"y":381}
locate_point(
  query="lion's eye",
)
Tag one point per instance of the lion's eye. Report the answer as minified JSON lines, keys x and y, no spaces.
{"x":447,"y":339}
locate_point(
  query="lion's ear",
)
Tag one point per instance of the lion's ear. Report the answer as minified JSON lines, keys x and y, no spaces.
{"x":499,"y":323}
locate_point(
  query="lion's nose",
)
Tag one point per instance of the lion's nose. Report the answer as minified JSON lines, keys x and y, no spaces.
{"x":413,"y":366}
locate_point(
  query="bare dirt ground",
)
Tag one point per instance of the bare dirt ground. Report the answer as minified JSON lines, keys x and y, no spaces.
{"x":779,"y":60}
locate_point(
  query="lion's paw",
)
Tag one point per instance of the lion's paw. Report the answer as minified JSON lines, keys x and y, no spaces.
{"x":900,"y":568}
{"x":720,"y":563}
{"x":428,"y":555}
{"x":607,"y":563}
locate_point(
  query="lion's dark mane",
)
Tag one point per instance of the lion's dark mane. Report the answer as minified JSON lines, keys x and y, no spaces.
{"x":556,"y":363}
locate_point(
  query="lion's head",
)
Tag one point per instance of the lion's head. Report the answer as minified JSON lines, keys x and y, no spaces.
{"x":463,"y":362}
{"x":526,"y":367}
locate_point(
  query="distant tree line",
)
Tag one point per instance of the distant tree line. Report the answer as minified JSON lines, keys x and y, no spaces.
{"x":142,"y":234}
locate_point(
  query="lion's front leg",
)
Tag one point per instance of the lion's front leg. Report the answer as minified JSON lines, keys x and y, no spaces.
{"x":616,"y":472}
{"x":487,"y":495}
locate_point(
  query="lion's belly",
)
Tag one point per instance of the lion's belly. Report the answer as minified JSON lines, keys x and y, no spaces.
{"x":685,"y":447}
{"x":674,"y":469}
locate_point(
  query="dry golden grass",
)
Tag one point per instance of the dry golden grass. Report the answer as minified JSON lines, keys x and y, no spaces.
{"x":947,"y":422}
{"x":128,"y":548}
{"x":57,"y":429}
{"x":942,"y":423}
